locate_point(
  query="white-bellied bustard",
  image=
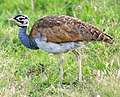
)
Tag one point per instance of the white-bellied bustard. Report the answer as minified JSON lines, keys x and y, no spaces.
{"x":58,"y":34}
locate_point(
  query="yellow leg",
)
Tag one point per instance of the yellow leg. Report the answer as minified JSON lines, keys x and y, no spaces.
{"x":61,"y":68}
{"x":78,"y":54}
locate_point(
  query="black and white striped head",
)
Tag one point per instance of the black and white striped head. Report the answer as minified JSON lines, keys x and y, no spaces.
{"x":21,"y":20}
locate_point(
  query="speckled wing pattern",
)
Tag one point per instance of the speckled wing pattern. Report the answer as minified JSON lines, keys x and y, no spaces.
{"x":60,"y":29}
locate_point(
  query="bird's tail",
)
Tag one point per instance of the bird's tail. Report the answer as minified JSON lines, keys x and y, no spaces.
{"x":101,"y":36}
{"x":108,"y":39}
{"x":105,"y":37}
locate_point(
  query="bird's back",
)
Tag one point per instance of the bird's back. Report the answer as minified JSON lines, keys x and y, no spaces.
{"x":61,"y":29}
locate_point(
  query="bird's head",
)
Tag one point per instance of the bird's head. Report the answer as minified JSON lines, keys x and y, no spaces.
{"x":21,"y":20}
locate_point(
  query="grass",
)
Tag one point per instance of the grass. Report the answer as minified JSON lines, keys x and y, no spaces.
{"x":20,"y":69}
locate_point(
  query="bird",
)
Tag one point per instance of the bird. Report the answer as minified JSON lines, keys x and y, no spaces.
{"x":59,"y":34}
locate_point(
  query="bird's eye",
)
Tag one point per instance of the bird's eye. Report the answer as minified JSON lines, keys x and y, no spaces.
{"x":20,"y":18}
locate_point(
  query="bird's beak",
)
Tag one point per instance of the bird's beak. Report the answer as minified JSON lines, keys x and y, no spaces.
{"x":11,"y":20}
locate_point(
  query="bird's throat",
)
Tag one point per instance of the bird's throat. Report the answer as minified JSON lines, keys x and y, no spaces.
{"x":25,"y":40}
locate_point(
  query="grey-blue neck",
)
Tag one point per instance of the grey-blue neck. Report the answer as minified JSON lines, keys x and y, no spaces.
{"x":25,"y":39}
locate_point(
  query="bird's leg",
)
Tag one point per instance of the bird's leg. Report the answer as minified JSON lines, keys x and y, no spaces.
{"x":78,"y":54}
{"x":61,"y":68}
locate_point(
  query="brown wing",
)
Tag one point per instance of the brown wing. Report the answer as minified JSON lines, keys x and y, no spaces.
{"x":67,"y":29}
